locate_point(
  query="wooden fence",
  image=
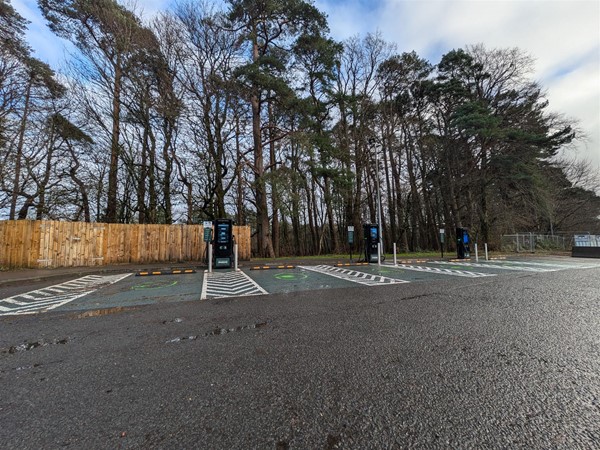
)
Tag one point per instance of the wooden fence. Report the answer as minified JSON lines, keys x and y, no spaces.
{"x":50,"y":244}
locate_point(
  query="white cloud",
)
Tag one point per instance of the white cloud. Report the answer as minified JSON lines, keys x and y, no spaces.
{"x":53,"y":50}
{"x":147,"y":9}
{"x":47,"y":47}
{"x":563,"y":36}
{"x":577,"y":95}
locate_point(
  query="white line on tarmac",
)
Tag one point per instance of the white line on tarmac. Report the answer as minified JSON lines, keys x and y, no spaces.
{"x":436,"y":270}
{"x":204,"y":285}
{"x":575,"y":265}
{"x":253,"y":282}
{"x":495,"y":266}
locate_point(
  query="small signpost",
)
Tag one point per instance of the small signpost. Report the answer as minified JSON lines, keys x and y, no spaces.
{"x":351,"y":239}
{"x":442,"y":240}
{"x":207,"y":231}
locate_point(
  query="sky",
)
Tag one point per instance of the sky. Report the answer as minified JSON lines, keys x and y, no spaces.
{"x":563,"y":37}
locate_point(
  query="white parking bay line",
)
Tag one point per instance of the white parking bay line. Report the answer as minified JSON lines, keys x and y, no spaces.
{"x":441,"y":271}
{"x":558,"y":265}
{"x":496,"y":266}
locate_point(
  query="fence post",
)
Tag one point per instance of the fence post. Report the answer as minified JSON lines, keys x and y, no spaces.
{"x":531,"y":243}
{"x":518,"y":243}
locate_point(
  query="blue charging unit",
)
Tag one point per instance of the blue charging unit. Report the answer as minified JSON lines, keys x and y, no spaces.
{"x":463,"y":243}
{"x":372,"y":238}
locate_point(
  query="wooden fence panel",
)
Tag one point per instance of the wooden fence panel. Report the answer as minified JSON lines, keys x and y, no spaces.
{"x":11,"y":244}
{"x":242,"y":238}
{"x":46,"y":244}
{"x":43,"y":258}
{"x":34,"y":245}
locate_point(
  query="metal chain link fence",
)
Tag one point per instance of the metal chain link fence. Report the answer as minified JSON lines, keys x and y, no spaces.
{"x":531,"y":242}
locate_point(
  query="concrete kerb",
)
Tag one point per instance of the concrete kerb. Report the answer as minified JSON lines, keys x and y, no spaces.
{"x":11,"y":277}
{"x":14,"y":276}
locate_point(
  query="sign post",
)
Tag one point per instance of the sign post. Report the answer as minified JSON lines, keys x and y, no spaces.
{"x":442,"y":240}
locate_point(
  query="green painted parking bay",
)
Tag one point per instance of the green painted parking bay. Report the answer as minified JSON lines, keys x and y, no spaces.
{"x":422,"y":272}
{"x":297,"y":279}
{"x":547,"y":263}
{"x":492,"y":267}
{"x":135,"y":291}
{"x":399,"y":273}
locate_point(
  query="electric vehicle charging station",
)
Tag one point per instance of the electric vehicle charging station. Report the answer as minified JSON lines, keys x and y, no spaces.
{"x":372,"y":238}
{"x":463,"y":243}
{"x":223,"y":243}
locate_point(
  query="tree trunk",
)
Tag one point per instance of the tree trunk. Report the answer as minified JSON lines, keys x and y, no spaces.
{"x":190,"y":203}
{"x":298,"y":243}
{"x":152,"y":194}
{"x":141,"y":189}
{"x":265,"y":246}
{"x":484,"y":218}
{"x":274,"y":182}
{"x":19,"y":155}
{"x":41,"y":206}
{"x":389,"y":163}
{"x":168,"y":134}
{"x":333,"y":231}
{"x":415,"y":204}
{"x":25,"y":208}
{"x":85,"y":203}
{"x":113,"y":171}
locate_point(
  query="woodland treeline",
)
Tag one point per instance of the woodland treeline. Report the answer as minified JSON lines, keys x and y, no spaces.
{"x":250,"y":110}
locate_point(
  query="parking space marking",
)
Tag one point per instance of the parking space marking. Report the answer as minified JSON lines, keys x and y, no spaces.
{"x":51,"y":297}
{"x":497,"y":266}
{"x":442,"y":271}
{"x":229,"y":284}
{"x":559,"y":265}
{"x":353,"y":275}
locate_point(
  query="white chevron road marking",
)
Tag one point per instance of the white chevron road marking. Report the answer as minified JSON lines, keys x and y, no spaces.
{"x":496,"y":266}
{"x":355,"y":276}
{"x":559,"y":265}
{"x":441,"y":271}
{"x":229,"y":284}
{"x":52,"y":297}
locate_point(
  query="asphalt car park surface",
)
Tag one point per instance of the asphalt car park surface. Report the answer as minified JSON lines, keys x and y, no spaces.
{"x":504,"y":361}
{"x":98,"y":291}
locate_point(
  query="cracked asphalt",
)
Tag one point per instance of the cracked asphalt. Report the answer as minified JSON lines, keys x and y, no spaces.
{"x":502,"y":362}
